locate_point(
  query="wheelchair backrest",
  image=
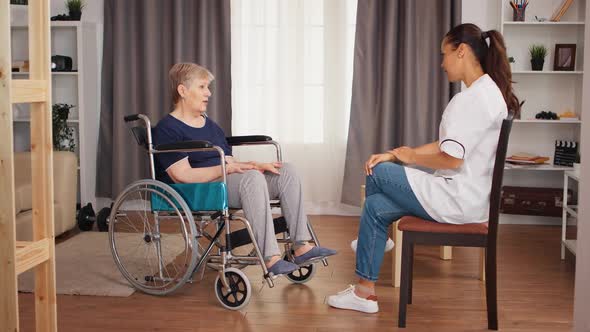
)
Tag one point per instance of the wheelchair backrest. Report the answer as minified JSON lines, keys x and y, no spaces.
{"x":143,"y":137}
{"x":140,"y":134}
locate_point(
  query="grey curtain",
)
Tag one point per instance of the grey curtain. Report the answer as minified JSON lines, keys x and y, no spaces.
{"x":142,"y":40}
{"x":399,"y":90}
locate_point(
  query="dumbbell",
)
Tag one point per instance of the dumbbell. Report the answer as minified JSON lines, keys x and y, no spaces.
{"x":86,"y":218}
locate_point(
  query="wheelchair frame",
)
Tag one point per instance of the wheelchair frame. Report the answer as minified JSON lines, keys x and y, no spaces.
{"x":224,"y":258}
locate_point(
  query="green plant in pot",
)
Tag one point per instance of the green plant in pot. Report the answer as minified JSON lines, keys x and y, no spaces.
{"x":538,"y":54}
{"x":63,"y":136}
{"x":75,"y":9}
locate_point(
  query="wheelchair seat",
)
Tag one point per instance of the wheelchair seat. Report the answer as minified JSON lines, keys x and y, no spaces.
{"x":199,"y":197}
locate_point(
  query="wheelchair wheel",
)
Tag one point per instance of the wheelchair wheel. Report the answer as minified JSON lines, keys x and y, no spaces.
{"x":239,"y":293}
{"x":303,"y":275}
{"x":155,"y":250}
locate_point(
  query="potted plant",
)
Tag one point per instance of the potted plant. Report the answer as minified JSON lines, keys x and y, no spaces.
{"x":511,"y":61}
{"x":75,"y":9}
{"x":63,"y":136}
{"x":538,"y":54}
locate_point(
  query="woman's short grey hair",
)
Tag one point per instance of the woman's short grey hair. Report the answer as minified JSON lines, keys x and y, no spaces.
{"x":185,"y":73}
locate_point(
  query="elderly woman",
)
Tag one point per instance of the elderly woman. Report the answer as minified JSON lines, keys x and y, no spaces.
{"x":250,"y":185}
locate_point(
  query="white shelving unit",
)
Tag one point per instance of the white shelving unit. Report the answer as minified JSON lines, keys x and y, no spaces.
{"x":545,"y":90}
{"x":544,"y":23}
{"x":77,"y":40}
{"x":547,"y":72}
{"x":544,"y":167}
{"x":569,"y":211}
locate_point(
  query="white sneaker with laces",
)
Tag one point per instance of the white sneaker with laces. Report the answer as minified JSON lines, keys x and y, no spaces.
{"x":347,"y":299}
{"x":388,"y":245}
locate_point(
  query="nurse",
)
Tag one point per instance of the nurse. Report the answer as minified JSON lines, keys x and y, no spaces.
{"x":462,"y":159}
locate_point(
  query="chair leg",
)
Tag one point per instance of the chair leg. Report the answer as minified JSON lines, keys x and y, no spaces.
{"x":411,"y":272}
{"x":446,"y":253}
{"x":396,"y":256}
{"x":482,"y":264}
{"x":491,"y":291}
{"x":405,"y":282}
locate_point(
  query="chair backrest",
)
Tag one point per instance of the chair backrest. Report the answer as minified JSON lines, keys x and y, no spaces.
{"x":496,"y":193}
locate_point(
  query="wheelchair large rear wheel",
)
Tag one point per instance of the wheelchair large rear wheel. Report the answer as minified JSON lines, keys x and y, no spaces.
{"x":152,"y":236}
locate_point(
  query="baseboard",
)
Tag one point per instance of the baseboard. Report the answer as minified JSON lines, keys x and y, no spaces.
{"x":331,"y":208}
{"x":513,"y":219}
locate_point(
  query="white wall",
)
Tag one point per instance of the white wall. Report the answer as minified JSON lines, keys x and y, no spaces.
{"x":582,"y":289}
{"x":483,"y":13}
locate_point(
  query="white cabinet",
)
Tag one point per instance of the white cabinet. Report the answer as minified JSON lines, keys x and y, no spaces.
{"x":79,"y":87}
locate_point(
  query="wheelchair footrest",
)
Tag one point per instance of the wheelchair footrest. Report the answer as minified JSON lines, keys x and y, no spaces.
{"x":241,"y":237}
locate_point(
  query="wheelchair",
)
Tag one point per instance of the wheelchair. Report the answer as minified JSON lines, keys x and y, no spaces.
{"x":162,"y":234}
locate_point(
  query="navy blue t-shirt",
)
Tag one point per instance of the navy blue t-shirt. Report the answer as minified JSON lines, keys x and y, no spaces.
{"x":172,"y":130}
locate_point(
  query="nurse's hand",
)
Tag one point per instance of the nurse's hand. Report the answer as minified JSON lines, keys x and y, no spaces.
{"x":376,"y":159}
{"x":405,"y":154}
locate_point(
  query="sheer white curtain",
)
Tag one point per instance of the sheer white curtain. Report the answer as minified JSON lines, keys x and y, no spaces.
{"x":292,"y":66}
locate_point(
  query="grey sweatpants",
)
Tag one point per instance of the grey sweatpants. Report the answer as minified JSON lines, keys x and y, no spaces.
{"x":252,"y":191}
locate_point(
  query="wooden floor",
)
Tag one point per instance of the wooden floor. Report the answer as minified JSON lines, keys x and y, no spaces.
{"x":535,"y":294}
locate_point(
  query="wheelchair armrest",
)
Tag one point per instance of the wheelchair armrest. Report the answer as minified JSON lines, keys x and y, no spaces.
{"x":184,"y":145}
{"x":241,"y":140}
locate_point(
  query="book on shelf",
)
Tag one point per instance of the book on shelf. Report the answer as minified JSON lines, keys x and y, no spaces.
{"x":561,"y":10}
{"x":523,"y":158}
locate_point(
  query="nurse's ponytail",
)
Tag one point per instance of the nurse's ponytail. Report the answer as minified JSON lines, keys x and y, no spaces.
{"x":492,"y":58}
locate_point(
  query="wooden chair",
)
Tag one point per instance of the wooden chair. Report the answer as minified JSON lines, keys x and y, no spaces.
{"x":419,"y":231}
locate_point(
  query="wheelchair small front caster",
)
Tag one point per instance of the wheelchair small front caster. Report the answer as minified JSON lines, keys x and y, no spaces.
{"x":302,"y":275}
{"x":239,"y":293}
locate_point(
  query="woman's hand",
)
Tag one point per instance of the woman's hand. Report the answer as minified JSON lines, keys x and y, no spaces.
{"x":237,"y":167}
{"x":269,"y":167}
{"x":376,"y":159}
{"x":404,"y":154}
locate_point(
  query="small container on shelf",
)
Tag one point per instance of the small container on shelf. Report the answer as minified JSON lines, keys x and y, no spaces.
{"x":518,"y":9}
{"x":577,"y":168}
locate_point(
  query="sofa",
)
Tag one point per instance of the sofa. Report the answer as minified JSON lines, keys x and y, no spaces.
{"x":65,"y":192}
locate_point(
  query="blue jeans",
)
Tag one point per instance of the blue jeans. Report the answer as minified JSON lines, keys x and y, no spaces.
{"x":388,"y":198}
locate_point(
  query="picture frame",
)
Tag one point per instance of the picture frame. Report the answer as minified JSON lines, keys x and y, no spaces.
{"x":564,"y":58}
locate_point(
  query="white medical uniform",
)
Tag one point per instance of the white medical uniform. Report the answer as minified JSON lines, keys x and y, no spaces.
{"x":469,"y":130}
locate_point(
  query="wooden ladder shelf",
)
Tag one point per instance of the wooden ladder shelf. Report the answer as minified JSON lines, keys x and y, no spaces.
{"x":17,"y":257}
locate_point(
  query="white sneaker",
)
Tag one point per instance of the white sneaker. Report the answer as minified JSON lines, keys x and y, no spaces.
{"x":347,"y":299}
{"x":388,"y":245}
